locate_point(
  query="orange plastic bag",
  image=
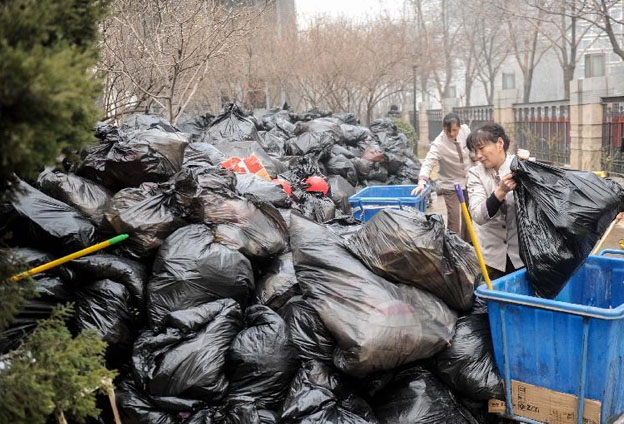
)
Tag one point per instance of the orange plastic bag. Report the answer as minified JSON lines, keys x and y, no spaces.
{"x":249,"y":165}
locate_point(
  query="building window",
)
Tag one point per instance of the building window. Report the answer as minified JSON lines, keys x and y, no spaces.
{"x":594,"y":65}
{"x":452,"y":92}
{"x":509,"y":81}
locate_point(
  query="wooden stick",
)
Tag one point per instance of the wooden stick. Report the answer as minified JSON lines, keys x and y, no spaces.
{"x":111,"y":397}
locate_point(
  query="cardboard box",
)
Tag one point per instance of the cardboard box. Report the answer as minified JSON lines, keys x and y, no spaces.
{"x":547,"y":406}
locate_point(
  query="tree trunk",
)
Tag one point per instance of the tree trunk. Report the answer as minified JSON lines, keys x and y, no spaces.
{"x":468,"y":88}
{"x":568,"y":75}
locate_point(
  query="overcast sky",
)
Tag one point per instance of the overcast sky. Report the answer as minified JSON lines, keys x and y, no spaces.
{"x":355,"y":9}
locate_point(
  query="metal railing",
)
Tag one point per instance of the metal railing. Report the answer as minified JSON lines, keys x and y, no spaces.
{"x":434,"y":118}
{"x":612,"y":157}
{"x":475,"y":116}
{"x":544,"y":129}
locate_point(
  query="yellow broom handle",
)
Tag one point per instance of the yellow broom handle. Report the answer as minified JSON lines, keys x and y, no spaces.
{"x":75,"y":255}
{"x":473,"y":235}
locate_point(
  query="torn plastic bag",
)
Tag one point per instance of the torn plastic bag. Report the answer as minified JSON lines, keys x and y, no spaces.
{"x":147,"y":214}
{"x":137,"y":407}
{"x":197,"y":155}
{"x":40,"y":221}
{"x":261,"y":361}
{"x":317,"y":395}
{"x":319,"y":208}
{"x":378,"y":325}
{"x":341,"y":190}
{"x":191,"y":269}
{"x":416,"y":396}
{"x":415,"y":249}
{"x":262,"y":189}
{"x":340,"y":165}
{"x":88,"y":197}
{"x":194,"y":125}
{"x":185,"y":357}
{"x":106,"y":307}
{"x":243,"y":149}
{"x":468,"y":366}
{"x":561,"y":215}
{"x":51,"y":291}
{"x":132,"y":274}
{"x":231,"y":125}
{"x":142,"y":122}
{"x":307,"y":331}
{"x":278,"y":282}
{"x":147,"y":156}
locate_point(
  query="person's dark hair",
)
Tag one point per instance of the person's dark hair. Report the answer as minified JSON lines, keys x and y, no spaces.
{"x":450,"y":119}
{"x":487,"y":133}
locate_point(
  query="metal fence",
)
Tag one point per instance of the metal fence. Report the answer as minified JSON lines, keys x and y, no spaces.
{"x":434,"y":118}
{"x":544,"y":129}
{"x":475,"y":116}
{"x":613,"y":135}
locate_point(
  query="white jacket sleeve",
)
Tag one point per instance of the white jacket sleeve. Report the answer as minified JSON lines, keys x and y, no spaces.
{"x":477,"y":197}
{"x":431,"y":160}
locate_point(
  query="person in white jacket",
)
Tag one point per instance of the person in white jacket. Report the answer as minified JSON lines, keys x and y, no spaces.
{"x":490,"y":186}
{"x":450,"y":152}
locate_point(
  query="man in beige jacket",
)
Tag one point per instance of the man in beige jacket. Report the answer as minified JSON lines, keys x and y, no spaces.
{"x":449,"y":151}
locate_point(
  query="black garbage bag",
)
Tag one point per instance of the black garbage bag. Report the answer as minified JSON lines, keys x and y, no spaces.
{"x":106,"y":307}
{"x":317,"y":207}
{"x":378,"y":325}
{"x":262,"y":360}
{"x":262,"y":189}
{"x":138,"y":407}
{"x":191,"y":269}
{"x":186,"y":356}
{"x":146,"y":156}
{"x":255,"y":229}
{"x":197,"y":155}
{"x":132,"y":274}
{"x":383,"y":126}
{"x":195,"y":125}
{"x":317,"y":395}
{"x":40,"y":221}
{"x":307,"y":331}
{"x":240,"y":413}
{"x":468,"y":366}
{"x":341,"y":190}
{"x":410,"y":171}
{"x":347,"y":118}
{"x":345,"y":226}
{"x":231,"y":124}
{"x":415,"y":249}
{"x":142,"y":122}
{"x":368,"y":170}
{"x":278,"y":282}
{"x":341,"y":165}
{"x":273,"y":143}
{"x":146,"y":213}
{"x":416,"y":396}
{"x":51,"y":291}
{"x":561,"y":215}
{"x":353,"y":134}
{"x":86,"y":196}
{"x":93,"y":163}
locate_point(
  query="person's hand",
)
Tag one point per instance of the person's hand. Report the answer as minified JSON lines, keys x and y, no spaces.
{"x":506,"y":185}
{"x":418,"y":190}
{"x":619,"y":217}
{"x":523,"y":154}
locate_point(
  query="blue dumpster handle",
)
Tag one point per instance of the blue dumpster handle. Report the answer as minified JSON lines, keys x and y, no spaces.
{"x":611,"y":251}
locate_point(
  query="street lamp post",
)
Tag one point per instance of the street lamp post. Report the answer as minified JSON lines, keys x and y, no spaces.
{"x":415,"y":120}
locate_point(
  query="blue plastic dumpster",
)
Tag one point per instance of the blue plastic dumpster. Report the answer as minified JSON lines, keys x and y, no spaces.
{"x":572,"y":344}
{"x":370,"y":200}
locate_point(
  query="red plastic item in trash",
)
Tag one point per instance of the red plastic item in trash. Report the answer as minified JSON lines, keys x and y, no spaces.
{"x":284,"y":185}
{"x":316,"y":184}
{"x":250,"y":165}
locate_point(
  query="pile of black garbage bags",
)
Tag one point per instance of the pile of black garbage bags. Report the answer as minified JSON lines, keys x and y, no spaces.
{"x":233,"y":302}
